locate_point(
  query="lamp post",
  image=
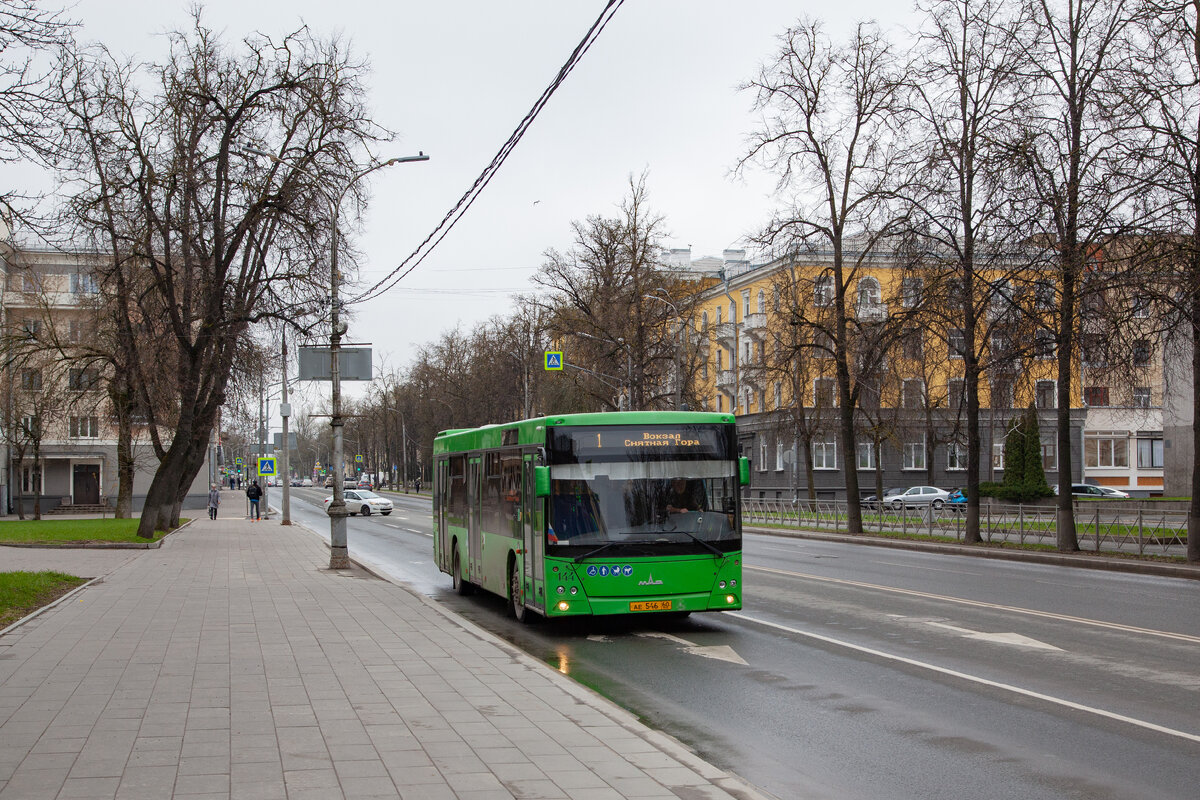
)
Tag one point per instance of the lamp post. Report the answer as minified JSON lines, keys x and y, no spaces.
{"x":678,"y":348}
{"x":339,"y":557}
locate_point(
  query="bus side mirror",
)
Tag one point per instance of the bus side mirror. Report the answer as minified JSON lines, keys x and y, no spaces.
{"x":744,"y":470}
{"x":541,"y":481}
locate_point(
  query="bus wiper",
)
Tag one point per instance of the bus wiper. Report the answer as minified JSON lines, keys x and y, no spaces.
{"x":605,"y":546}
{"x":698,"y":540}
{"x":597,"y":551}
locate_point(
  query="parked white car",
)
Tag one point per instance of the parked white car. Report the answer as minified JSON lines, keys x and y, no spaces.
{"x":919,"y":496}
{"x":361,"y":501}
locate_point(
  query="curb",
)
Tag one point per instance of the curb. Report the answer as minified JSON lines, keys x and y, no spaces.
{"x":98,"y":545}
{"x":1080,"y":560}
{"x":43,"y":609}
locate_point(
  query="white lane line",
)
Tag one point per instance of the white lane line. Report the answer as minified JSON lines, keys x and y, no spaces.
{"x":391,"y":525}
{"x":1182,"y":637}
{"x":1099,"y":712}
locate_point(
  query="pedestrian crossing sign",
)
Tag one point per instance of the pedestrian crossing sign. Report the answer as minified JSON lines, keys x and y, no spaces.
{"x":554,"y":359}
{"x":266,"y":466}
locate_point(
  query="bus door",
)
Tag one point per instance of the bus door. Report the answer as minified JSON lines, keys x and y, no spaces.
{"x":535,"y":543}
{"x":474,"y":532}
{"x":441,"y":495}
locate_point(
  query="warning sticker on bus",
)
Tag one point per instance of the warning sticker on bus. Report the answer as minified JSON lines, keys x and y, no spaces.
{"x":650,"y":605}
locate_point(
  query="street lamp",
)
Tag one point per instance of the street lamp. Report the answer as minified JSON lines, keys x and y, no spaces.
{"x":339,"y":557}
{"x":678,"y":347}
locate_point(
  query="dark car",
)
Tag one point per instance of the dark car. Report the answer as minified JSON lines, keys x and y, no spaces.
{"x":871,"y":501}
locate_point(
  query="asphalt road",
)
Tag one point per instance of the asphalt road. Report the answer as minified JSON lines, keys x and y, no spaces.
{"x":857,"y":672}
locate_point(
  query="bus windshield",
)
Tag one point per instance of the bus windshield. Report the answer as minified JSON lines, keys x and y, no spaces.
{"x":660,"y":507}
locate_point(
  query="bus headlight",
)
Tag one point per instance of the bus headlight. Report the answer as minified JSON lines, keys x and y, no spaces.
{"x":729,"y":599}
{"x":563,"y":605}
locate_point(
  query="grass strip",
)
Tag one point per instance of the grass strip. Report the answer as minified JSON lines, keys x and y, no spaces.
{"x":22,"y":593}
{"x":67,"y":531}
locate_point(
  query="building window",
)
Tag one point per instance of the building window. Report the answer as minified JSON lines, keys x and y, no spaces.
{"x":1150,"y":450}
{"x":778,"y":454}
{"x":956,"y":456}
{"x":1043,"y":344}
{"x":778,"y":395}
{"x":957,"y":342}
{"x":913,"y":393}
{"x":31,"y":282}
{"x":1001,"y":394}
{"x":31,"y":426}
{"x":998,"y":455}
{"x":762,"y":302}
{"x":1002,"y":298}
{"x":1141,"y":353}
{"x":1093,"y":351}
{"x":718,"y":315}
{"x":823,"y":291}
{"x":824,"y":455}
{"x":84,"y":427}
{"x":956,"y":392}
{"x":866,"y":455}
{"x":1044,"y":394}
{"x":1106,"y":449}
{"x":720,"y":358}
{"x":910,"y":292}
{"x":83,"y":283}
{"x":914,"y":454}
{"x":31,"y":328}
{"x":1141,"y":396}
{"x":1141,"y":307}
{"x":745,"y":303}
{"x":823,"y":393}
{"x":1043,"y":295}
{"x":31,"y":380}
{"x":870,"y":299}
{"x":822,"y":345}
{"x":1095,"y":395}
{"x":704,"y":370}
{"x":914,"y":345}
{"x":762,"y":453}
{"x":1049,"y":455}
{"x":82,"y":380}
{"x":704,"y":322}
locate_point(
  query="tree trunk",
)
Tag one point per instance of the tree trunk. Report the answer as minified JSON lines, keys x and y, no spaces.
{"x":1068,"y":541}
{"x":1193,"y":542}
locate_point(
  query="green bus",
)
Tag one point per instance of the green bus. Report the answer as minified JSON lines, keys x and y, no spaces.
{"x":594,"y":514}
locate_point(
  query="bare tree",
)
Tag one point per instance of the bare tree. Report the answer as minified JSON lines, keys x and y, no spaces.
{"x":1160,"y":97}
{"x":599,"y":302}
{"x":832,"y":115}
{"x":204,"y":242}
{"x":1074,"y":195}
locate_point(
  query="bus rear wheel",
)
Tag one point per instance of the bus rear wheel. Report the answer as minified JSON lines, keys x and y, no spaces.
{"x":516,"y":602}
{"x":461,"y":585}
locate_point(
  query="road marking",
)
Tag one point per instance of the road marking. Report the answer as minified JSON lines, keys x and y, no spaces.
{"x":721,"y":652}
{"x":1182,"y":637}
{"x":997,"y":638}
{"x":1008,"y":687}
{"x":391,"y":525}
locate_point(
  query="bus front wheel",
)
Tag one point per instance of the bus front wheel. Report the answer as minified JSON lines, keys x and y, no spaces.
{"x":461,"y":585}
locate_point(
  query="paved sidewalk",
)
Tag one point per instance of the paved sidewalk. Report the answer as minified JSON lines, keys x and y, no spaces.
{"x":232,"y":663}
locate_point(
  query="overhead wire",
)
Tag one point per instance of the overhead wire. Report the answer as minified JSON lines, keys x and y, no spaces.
{"x":452,"y":216}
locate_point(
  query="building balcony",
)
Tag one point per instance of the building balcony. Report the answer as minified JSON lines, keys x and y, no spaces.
{"x":871,"y":312}
{"x":755,"y":325}
{"x":726,"y":334}
{"x":727,"y":382}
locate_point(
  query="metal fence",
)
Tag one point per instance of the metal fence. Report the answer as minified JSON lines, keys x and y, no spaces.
{"x":1098,"y":526}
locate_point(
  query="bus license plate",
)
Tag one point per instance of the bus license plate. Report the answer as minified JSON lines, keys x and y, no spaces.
{"x":651,"y":605}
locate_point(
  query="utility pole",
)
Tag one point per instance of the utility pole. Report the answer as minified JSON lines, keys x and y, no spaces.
{"x":285,"y":411}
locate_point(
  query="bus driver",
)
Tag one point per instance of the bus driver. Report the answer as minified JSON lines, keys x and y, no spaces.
{"x":685,"y":495}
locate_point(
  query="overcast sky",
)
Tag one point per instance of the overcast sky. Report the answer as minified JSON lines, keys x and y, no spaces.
{"x":657,"y":93}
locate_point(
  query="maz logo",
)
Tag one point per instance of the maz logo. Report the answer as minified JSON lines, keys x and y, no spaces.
{"x":650,"y":582}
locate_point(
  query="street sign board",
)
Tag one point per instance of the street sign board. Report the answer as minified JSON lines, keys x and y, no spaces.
{"x":354,"y":364}
{"x":266,"y":466}
{"x":278,"y":439}
{"x":239,"y":461}
{"x":554,"y":360}
{"x":358,"y":459}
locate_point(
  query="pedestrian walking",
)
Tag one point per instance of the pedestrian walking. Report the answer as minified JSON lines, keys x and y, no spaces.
{"x":214,"y":500}
{"x":255,"y":494}
{"x":232,"y":480}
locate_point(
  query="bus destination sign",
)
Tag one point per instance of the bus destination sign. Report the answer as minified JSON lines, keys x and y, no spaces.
{"x":651,"y":441}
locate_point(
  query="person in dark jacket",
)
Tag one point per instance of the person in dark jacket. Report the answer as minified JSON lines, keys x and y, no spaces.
{"x":214,"y":500}
{"x":255,"y":494}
